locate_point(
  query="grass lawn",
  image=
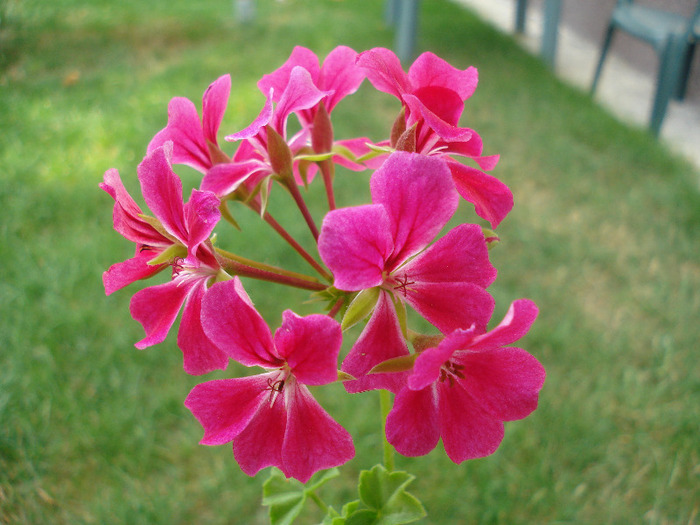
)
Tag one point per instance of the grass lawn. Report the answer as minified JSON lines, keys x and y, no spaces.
{"x":604,"y":237}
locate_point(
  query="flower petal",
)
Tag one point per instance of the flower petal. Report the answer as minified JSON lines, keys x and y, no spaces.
{"x":202,"y":214}
{"x":313,"y":440}
{"x":419,"y":196}
{"x":236,"y":327}
{"x":224,"y":407}
{"x":300,"y":93}
{"x":354,"y":243}
{"x":262,"y":120}
{"x":214,"y":103}
{"x":310,"y":345}
{"x":426,"y":369}
{"x":124,"y":273}
{"x":492,"y":199}
{"x":380,"y":340}
{"x":278,"y":79}
{"x":223,"y":179}
{"x":516,"y":323}
{"x":156,"y":308}
{"x":200,"y":355}
{"x":431,"y":70}
{"x":162,"y":191}
{"x":467,"y":431}
{"x":184,"y":130}
{"x":505,"y":382}
{"x":384,"y":71}
{"x":412,"y":426}
{"x":340,"y":75}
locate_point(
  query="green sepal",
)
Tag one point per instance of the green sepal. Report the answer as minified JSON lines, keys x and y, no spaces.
{"x":399,"y":127}
{"x":375,"y":152}
{"x":400,"y":308}
{"x":344,"y":151}
{"x":360,"y":307}
{"x":279,"y":153}
{"x":167,"y":255}
{"x":286,"y":497}
{"x":395,"y":364}
{"x":226,"y":214}
{"x":491,"y":237}
{"x":315,"y":157}
{"x":156,"y":224}
{"x":344,"y":376}
{"x":407,"y":140}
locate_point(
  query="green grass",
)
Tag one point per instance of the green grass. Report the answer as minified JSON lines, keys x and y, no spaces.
{"x":604,"y":237}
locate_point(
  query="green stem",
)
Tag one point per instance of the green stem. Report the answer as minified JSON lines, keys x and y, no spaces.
{"x":237,"y":265}
{"x":318,"y":501}
{"x":385,"y":404}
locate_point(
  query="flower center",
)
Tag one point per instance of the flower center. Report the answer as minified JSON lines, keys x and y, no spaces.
{"x":450,"y":372}
{"x":402,"y":284}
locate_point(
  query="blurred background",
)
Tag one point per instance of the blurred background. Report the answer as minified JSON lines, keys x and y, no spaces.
{"x":603,"y":237}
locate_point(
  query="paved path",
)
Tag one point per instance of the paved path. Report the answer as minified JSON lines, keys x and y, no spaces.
{"x":623,"y":90}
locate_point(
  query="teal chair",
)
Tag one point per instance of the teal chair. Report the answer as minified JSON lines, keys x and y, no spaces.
{"x":672,"y":36}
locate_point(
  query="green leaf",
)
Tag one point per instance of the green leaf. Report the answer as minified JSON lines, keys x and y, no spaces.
{"x":170,"y":253}
{"x":385,"y":492}
{"x":286,"y":497}
{"x":360,"y":307}
{"x":395,"y":364}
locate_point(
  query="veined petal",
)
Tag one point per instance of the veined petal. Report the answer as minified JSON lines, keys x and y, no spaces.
{"x":200,"y":355}
{"x":259,"y":445}
{"x":354,"y":243}
{"x":426,"y":369}
{"x":224,"y":407}
{"x":127,"y":214}
{"x":224,"y":179}
{"x":184,"y":130}
{"x":124,"y":273}
{"x":340,"y":75}
{"x":313,"y":440}
{"x":156,"y":308}
{"x":461,"y":255}
{"x":380,"y":340}
{"x":262,"y":120}
{"x":162,"y":191}
{"x":412,"y":426}
{"x":278,"y":79}
{"x":492,"y":199}
{"x":431,"y":70}
{"x":468,"y":432}
{"x":300,"y":93}
{"x":202,"y":214}
{"x":418,"y":193}
{"x":443,"y":124}
{"x":384,"y":71}
{"x":505,"y":382}
{"x":310,"y":345}
{"x":451,"y":306}
{"x":214,"y":103}
{"x":516,"y":323}
{"x":233,"y":325}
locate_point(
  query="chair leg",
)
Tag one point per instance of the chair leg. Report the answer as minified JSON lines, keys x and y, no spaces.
{"x":670,"y":68}
{"x":520,"y":14}
{"x":603,"y":54}
{"x":685,"y":72}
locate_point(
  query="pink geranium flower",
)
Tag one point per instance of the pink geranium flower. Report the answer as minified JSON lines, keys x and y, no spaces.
{"x":463,"y":389}
{"x":195,"y":142}
{"x":271,"y":418}
{"x":383,"y":244}
{"x":433,"y":94}
{"x":175,"y":237}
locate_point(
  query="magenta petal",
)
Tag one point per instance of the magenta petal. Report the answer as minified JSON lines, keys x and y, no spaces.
{"x":443,"y":123}
{"x":124,"y":273}
{"x":426,"y":369}
{"x":262,"y":120}
{"x":200,"y":355}
{"x":224,"y":407}
{"x":340,"y":74}
{"x":412,"y":426}
{"x":300,"y":93}
{"x":451,"y":306}
{"x":310,"y":345}
{"x":224,"y":179}
{"x":380,"y":340}
{"x":468,"y":432}
{"x":184,"y":130}
{"x":278,"y":79}
{"x":354,"y":243}
{"x":214,"y":103}
{"x":127,"y":214}
{"x":162,"y":191}
{"x":202,"y":215}
{"x":459,"y":256}
{"x":418,"y":194}
{"x":431,"y":70}
{"x":156,"y":308}
{"x":492,"y":199}
{"x":259,"y":445}
{"x":313,"y":440}
{"x":516,"y":323}
{"x":384,"y":71}
{"x":505,"y":382}
{"x":237,"y":328}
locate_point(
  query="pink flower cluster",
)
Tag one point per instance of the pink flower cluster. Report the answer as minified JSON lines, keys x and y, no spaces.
{"x":458,"y":384}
